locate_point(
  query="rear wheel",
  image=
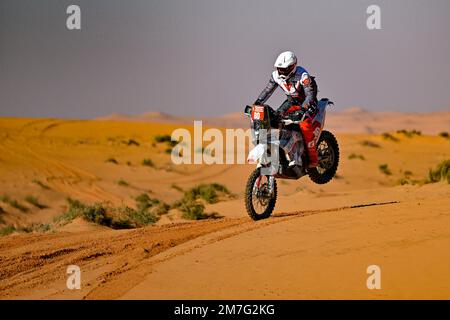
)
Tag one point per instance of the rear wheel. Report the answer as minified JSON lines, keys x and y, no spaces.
{"x":259,"y":201}
{"x":328,"y":150}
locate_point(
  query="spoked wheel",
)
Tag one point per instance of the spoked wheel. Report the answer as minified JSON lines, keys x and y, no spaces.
{"x":259,"y":201}
{"x":328,"y":150}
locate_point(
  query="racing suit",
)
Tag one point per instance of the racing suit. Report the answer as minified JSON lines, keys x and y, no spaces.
{"x":301,"y":91}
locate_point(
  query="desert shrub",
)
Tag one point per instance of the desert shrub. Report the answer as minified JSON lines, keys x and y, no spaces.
{"x":403,"y":181}
{"x":407,"y":173}
{"x":111,"y":160}
{"x":368,"y":143}
{"x":43,"y":227}
{"x":35,"y":227}
{"x":192,"y":209}
{"x":410,"y":133}
{"x":144,"y":202}
{"x":388,"y":136}
{"x":41,"y":184}
{"x":126,"y":218}
{"x":123,"y":183}
{"x":444,"y":134}
{"x":7,"y":230}
{"x":13,"y":203}
{"x":148,"y":162}
{"x":74,"y":210}
{"x":440,"y":173}
{"x":356,"y":156}
{"x":116,"y":218}
{"x":131,"y":142}
{"x":138,"y":218}
{"x":163,"y":138}
{"x":385,"y":169}
{"x":96,"y":213}
{"x":35,"y":202}
{"x":176,"y":187}
{"x":167,"y":139}
{"x":208,"y":192}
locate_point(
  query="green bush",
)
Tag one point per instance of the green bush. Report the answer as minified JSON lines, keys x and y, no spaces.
{"x":176,"y":187}
{"x":192,"y":210}
{"x":147,"y":212}
{"x":444,"y":135}
{"x":131,"y":142}
{"x":35,"y":202}
{"x":43,"y":227}
{"x":163,"y":138}
{"x":122,"y":183}
{"x":410,"y":133}
{"x":13,"y":203}
{"x":356,"y":156}
{"x":97,"y":214}
{"x":144,"y":202}
{"x":111,"y":160}
{"x":407,"y":173}
{"x":35,"y":227}
{"x":368,"y":143}
{"x":140,"y":217}
{"x":148,"y":163}
{"x":41,"y":184}
{"x":7,"y":230}
{"x":385,"y":169}
{"x":440,"y":173}
{"x":388,"y":136}
{"x":208,"y":192}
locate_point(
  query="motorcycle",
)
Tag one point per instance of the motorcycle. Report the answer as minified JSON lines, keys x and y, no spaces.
{"x":280,"y":153}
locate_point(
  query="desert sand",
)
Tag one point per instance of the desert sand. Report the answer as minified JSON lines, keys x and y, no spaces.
{"x":317,"y":245}
{"x":348,"y":120}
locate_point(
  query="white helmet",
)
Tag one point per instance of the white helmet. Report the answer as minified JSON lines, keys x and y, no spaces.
{"x":286,"y":64}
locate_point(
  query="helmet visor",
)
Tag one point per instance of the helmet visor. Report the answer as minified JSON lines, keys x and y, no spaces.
{"x":286,"y":71}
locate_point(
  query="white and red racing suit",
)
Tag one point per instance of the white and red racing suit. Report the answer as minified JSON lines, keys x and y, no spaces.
{"x":301,"y":91}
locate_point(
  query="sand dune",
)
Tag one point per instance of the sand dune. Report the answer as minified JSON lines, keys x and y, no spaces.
{"x":350,"y":120}
{"x":318,"y":244}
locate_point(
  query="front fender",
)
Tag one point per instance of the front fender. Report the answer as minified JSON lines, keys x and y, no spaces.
{"x":255,"y":155}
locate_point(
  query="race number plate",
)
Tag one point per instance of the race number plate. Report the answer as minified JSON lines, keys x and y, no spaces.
{"x":258,"y":113}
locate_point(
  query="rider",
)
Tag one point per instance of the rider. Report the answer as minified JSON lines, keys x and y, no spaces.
{"x":301,"y":91}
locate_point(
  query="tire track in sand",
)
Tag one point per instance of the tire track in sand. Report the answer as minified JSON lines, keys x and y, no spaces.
{"x":113,"y":261}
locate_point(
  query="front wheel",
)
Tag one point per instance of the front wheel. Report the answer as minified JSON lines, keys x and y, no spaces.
{"x":328,"y":150}
{"x":259,"y":199}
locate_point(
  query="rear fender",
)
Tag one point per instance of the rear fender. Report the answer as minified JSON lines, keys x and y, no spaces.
{"x":321,"y":112}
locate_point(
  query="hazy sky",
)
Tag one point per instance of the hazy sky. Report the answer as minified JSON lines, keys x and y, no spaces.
{"x":210,"y":57}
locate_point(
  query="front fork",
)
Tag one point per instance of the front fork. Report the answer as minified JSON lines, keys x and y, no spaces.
{"x":270,"y":185}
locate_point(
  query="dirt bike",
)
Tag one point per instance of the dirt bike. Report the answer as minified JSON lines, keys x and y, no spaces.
{"x":280,"y":153}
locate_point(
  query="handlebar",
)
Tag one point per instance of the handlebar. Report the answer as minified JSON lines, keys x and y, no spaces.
{"x":287,"y":122}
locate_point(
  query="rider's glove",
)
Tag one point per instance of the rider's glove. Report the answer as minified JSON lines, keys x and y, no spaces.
{"x":311,"y":111}
{"x":296,"y":115}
